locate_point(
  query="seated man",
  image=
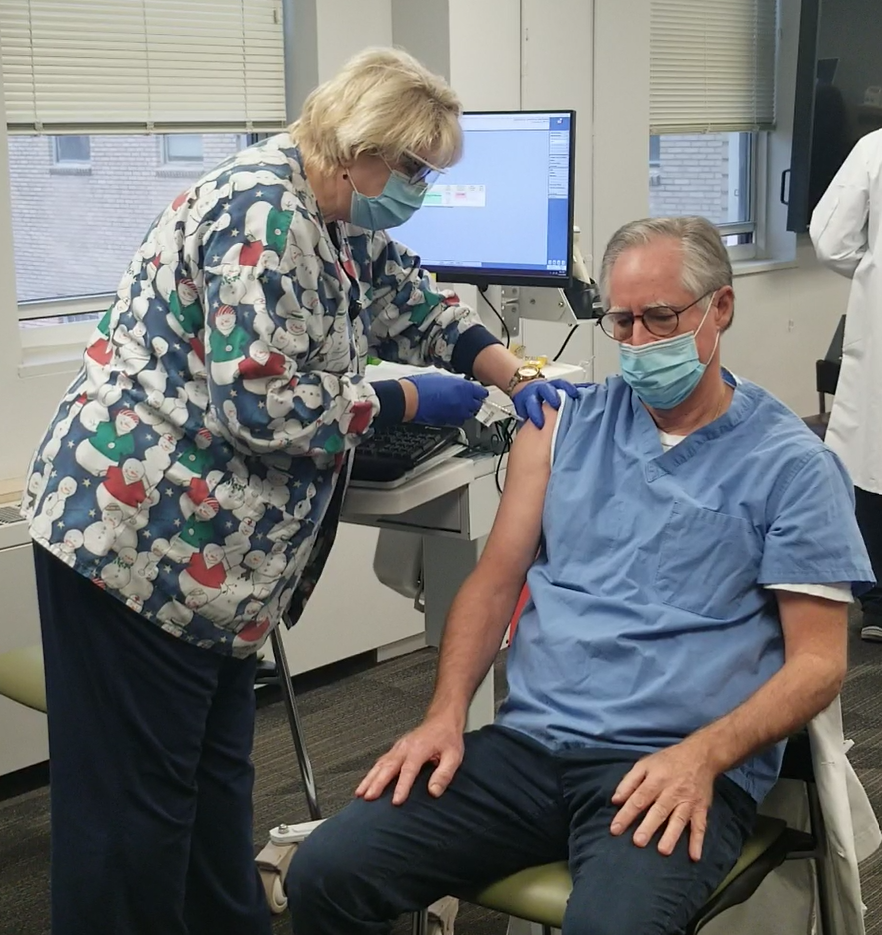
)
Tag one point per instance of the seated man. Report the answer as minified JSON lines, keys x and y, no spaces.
{"x":697,"y":551}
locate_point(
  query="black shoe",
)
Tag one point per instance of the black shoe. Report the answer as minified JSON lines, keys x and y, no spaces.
{"x":871,"y":631}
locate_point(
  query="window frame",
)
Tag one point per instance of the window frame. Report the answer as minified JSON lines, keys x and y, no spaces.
{"x":65,"y":307}
{"x":756,"y":197}
{"x":757,"y":161}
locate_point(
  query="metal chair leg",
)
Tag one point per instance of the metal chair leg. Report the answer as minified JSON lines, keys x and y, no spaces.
{"x":420,"y":922}
{"x":303,"y":761}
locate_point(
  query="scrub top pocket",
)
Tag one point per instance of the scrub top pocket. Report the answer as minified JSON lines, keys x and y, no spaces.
{"x":708,"y":562}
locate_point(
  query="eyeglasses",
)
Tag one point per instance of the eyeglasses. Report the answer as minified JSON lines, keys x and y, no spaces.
{"x":415,"y":170}
{"x":661,"y":321}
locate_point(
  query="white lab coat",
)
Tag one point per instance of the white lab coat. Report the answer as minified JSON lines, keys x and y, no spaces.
{"x":845,"y":230}
{"x":785,"y":901}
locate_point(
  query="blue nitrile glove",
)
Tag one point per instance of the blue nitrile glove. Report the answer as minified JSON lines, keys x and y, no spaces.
{"x":443,"y":400}
{"x":528,"y":401}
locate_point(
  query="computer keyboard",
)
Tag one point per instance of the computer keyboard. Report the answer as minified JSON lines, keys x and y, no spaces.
{"x":391,"y":453}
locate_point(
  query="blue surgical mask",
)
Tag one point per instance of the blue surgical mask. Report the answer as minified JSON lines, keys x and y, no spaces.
{"x":665,"y":372}
{"x":396,"y":204}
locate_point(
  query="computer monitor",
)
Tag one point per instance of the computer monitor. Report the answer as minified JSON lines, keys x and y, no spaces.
{"x":503,"y":215}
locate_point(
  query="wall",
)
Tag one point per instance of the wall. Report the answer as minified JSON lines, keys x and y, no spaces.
{"x":348,"y":26}
{"x":423,"y":30}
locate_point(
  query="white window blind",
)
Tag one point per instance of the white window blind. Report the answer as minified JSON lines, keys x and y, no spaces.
{"x":712,"y":66}
{"x":123,"y":66}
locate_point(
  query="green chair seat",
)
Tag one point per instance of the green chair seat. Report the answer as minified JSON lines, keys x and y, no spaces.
{"x":540,"y":894}
{"x":21,"y":676}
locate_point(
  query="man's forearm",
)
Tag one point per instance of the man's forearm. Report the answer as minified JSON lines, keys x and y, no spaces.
{"x":791,"y":698}
{"x":473,"y":634}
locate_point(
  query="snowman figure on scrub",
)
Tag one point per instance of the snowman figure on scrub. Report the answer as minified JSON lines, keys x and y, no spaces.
{"x":111,"y":443}
{"x":228,"y":345}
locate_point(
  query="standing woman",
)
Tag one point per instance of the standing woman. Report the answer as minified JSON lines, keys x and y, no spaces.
{"x":188,"y":489}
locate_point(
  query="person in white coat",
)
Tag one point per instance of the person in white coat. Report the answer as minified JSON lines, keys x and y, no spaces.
{"x":846,"y":229}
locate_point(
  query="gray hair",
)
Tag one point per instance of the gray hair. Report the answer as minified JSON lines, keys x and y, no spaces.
{"x":706,"y":264}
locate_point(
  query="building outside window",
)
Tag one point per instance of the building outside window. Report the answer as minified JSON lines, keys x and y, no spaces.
{"x":709,"y":174}
{"x":71,"y":150}
{"x":180,"y":148}
{"x":92,"y":223}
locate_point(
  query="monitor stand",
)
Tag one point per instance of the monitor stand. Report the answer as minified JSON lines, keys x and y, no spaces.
{"x":576,"y":302}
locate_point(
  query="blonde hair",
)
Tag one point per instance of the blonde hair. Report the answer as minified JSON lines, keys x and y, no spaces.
{"x":382,"y":101}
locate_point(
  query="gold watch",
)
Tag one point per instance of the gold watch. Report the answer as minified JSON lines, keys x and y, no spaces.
{"x":524,"y":374}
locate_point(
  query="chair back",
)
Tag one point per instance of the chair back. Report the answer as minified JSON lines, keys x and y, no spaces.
{"x":21,"y":676}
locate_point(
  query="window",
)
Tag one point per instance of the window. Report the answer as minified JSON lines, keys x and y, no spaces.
{"x":182,"y":147}
{"x":712,"y":74}
{"x":129,"y":72}
{"x":74,"y":150}
{"x":708,"y":174}
{"x":102,"y":217}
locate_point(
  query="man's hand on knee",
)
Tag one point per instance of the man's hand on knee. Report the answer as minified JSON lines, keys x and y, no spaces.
{"x":676,"y":786}
{"x":435,"y":741}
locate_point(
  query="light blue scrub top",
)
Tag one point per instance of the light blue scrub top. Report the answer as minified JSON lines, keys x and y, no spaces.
{"x":647,"y":616}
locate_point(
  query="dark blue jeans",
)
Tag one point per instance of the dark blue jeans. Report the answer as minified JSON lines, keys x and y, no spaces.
{"x":151,"y":777}
{"x":512,"y":804}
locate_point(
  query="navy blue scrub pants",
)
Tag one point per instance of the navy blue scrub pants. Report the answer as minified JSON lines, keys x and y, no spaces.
{"x":868,"y":509}
{"x":150,"y":772}
{"x":512,"y":804}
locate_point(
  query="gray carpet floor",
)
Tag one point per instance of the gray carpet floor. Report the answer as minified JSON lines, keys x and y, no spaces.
{"x":349,"y":721}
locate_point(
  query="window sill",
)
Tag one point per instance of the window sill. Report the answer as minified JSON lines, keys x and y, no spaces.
{"x":53,"y":350}
{"x":180,"y":172}
{"x":752,"y":267}
{"x":70,"y":169}
{"x":50,"y":360}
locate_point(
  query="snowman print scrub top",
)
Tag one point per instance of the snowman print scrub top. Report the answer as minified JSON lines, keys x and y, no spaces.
{"x":191,"y":467}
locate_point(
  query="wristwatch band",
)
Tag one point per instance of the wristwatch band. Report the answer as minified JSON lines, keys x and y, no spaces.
{"x":523,"y":375}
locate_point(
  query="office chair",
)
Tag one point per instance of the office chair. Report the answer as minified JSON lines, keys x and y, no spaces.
{"x":21,"y":677}
{"x":826,"y":377}
{"x":540,"y":894}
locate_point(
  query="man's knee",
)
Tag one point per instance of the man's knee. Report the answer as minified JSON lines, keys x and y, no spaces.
{"x":318,"y":867}
{"x":336,"y":872}
{"x":607,"y":919}
{"x":631,"y":907}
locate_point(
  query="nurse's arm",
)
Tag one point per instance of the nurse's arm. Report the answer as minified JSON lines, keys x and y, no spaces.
{"x":411,"y":322}
{"x":476,"y":623}
{"x":675,"y":786}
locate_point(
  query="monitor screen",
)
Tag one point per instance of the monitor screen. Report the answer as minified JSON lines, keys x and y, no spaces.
{"x":504,"y":213}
